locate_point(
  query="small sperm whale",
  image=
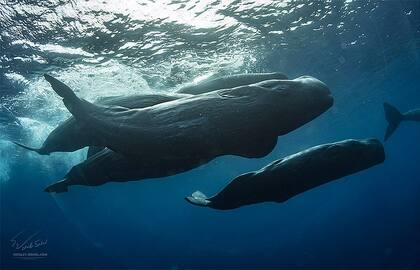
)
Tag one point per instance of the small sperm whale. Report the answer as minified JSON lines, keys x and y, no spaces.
{"x":395,"y":117}
{"x":292,"y":175}
{"x":227,"y":121}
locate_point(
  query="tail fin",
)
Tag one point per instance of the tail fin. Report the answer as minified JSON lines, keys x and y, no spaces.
{"x":198,"y":198}
{"x":394,"y":118}
{"x":38,"y":150}
{"x":60,"y":88}
{"x":69,"y":97}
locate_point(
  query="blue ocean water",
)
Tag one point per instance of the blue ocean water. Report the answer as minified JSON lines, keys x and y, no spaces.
{"x":367,"y":52}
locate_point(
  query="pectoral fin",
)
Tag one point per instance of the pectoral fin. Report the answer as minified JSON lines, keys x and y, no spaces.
{"x":198,"y":198}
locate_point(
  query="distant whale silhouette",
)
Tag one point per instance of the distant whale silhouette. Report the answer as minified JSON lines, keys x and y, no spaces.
{"x":179,"y":135}
{"x":292,"y":175}
{"x":394,"y":118}
{"x":70,"y":136}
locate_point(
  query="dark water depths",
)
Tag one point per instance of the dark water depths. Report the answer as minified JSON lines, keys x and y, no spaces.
{"x":366,"y":51}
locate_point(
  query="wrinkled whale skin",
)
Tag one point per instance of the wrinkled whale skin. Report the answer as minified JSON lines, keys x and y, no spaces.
{"x":230,"y":82}
{"x":295,"y":174}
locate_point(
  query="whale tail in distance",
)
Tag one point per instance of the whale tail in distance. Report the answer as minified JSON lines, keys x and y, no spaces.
{"x":394,"y":118}
{"x":198,"y":198}
{"x":37,"y":150}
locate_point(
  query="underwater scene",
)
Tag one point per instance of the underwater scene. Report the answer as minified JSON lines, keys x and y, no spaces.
{"x":209,"y":134}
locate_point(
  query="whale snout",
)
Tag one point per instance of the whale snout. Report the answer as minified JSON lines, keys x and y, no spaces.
{"x":318,"y":90}
{"x":315,"y":93}
{"x":376,"y":149}
{"x":360,"y":152}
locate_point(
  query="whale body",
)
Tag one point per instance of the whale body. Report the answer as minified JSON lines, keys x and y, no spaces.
{"x":228,"y":121}
{"x":292,"y":175}
{"x":394,"y":117}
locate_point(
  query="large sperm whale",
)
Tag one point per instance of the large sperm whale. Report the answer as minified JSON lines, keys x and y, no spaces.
{"x":228,"y":121}
{"x":180,"y":135}
{"x":70,"y":136}
{"x":292,"y":175}
{"x":395,"y":117}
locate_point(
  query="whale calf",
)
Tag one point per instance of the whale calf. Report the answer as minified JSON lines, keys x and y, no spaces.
{"x":69,"y":136}
{"x":244,"y":121}
{"x":395,"y":117}
{"x":292,"y":175}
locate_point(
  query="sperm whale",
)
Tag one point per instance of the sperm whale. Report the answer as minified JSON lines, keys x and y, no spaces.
{"x":70,"y":136}
{"x":295,"y":174}
{"x":227,"y":120}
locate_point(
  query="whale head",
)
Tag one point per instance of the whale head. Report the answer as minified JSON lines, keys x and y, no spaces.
{"x":292,"y":103}
{"x":352,"y":155}
{"x":312,"y":93}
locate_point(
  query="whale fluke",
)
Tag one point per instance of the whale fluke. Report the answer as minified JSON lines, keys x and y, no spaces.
{"x":58,"y":187}
{"x":73,"y":103}
{"x":394,"y":118}
{"x":60,"y":88}
{"x":198,"y":198}
{"x":37,"y":150}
